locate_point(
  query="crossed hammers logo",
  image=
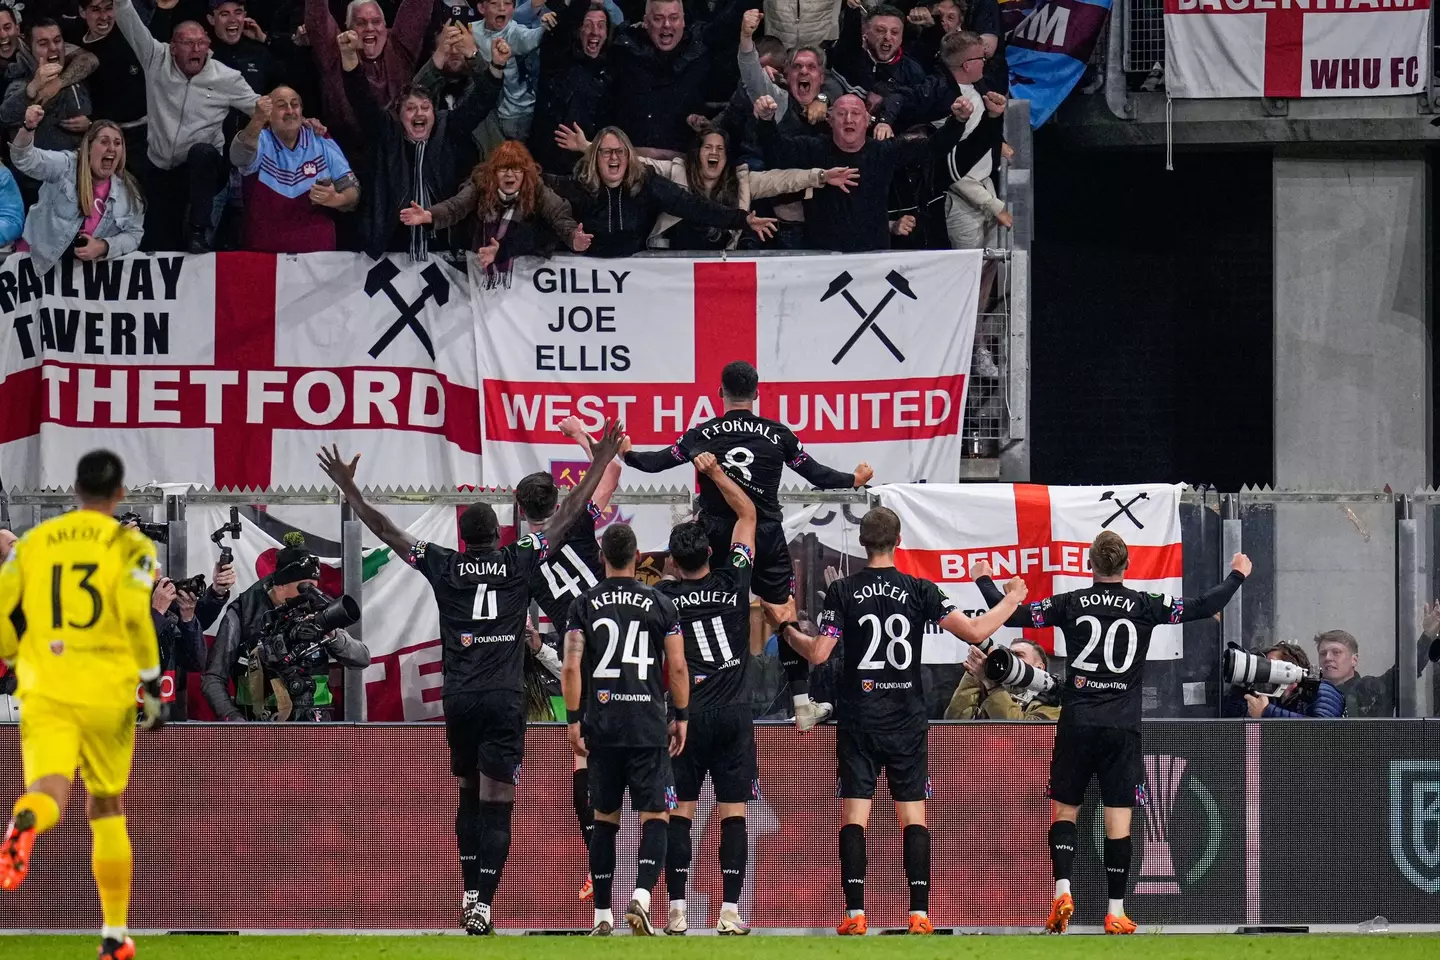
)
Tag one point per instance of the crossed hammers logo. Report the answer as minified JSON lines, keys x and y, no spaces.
{"x":898,"y":284}
{"x":1124,"y":507}
{"x":382,"y":278}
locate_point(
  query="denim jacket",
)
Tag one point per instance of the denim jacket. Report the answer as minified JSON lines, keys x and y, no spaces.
{"x":55,"y":219}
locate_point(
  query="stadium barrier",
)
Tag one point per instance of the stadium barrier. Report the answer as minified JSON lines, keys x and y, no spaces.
{"x":350,"y":827}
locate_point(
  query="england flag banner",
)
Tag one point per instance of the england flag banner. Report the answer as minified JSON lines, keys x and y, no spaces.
{"x":1296,"y":48}
{"x":865,"y":358}
{"x":1041,"y":534}
{"x":229,"y":370}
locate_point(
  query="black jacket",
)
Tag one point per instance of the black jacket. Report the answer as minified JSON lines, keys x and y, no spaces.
{"x":447,"y":156}
{"x":239,"y":628}
{"x":573,"y":88}
{"x":656,"y":91}
{"x":182,"y":650}
{"x":621,"y":219}
{"x":836,"y":220}
{"x":857,"y":68}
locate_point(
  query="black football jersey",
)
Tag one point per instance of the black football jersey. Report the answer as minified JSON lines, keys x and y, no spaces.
{"x":715,"y":618}
{"x":483,"y":600}
{"x":881,"y":615}
{"x":624,"y":623}
{"x":572,"y":567}
{"x":1107,"y":638}
{"x":753,"y":451}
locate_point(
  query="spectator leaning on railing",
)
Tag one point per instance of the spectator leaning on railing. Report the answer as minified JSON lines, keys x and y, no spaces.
{"x":514,"y":212}
{"x":619,"y":199}
{"x":294,"y":181}
{"x":419,"y":157}
{"x":188,"y":93}
{"x":88,"y":201}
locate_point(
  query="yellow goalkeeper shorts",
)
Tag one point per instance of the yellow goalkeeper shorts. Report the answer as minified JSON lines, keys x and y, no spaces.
{"x":57,"y":737}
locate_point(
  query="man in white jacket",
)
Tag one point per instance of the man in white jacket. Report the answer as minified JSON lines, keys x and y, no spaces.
{"x":188,"y":94}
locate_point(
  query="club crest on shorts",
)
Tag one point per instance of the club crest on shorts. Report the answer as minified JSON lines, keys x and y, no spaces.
{"x":602,"y":695}
{"x":867,"y":685}
{"x":466,"y":639}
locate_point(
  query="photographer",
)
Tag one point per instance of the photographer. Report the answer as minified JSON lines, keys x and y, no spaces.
{"x":181,"y":640}
{"x":206,"y":606}
{"x":1308,"y":698}
{"x":248,"y":650}
{"x":980,"y":698}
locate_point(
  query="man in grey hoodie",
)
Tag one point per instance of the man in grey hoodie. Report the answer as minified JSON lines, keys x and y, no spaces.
{"x":188,"y":94}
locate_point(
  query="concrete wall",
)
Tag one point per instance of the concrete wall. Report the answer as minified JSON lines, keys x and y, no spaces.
{"x":1352,"y":405}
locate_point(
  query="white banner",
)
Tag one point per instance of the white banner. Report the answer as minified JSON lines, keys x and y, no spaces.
{"x":1296,"y":48}
{"x":229,"y":370}
{"x":1040,"y":533}
{"x":860,"y":356}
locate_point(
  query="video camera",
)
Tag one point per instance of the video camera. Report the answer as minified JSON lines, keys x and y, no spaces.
{"x":159,"y":532}
{"x":291,"y":637}
{"x":1260,"y":675}
{"x":1008,"y":670}
{"x":227,"y":556}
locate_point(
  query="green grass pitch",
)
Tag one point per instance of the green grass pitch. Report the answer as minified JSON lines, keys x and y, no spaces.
{"x":1213,"y":947}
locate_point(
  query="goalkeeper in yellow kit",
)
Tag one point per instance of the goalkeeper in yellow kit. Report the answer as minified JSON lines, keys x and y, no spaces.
{"x":83,"y":583}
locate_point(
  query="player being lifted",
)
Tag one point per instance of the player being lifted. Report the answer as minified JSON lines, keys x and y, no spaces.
{"x":881,"y":616}
{"x":714,"y":608}
{"x":754,"y":452}
{"x":1107,"y":631}
{"x":573,"y":567}
{"x":83,"y":583}
{"x":483,"y":596}
{"x":622,"y":644}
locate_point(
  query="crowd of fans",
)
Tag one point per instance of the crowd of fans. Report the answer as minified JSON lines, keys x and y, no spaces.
{"x":429,"y":126}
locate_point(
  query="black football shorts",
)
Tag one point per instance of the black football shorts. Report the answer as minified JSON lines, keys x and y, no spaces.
{"x":1112,"y":755}
{"x":904,"y":756}
{"x":720,"y":743}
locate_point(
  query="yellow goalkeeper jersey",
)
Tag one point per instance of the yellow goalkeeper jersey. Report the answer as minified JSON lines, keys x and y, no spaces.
{"x":83,"y":582}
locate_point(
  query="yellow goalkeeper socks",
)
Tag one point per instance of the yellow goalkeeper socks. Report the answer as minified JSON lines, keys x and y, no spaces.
{"x":110,"y":862}
{"x":43,"y":806}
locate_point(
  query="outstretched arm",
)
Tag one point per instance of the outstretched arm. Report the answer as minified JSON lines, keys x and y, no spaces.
{"x":343,"y":475}
{"x":1212,"y":601}
{"x":814,"y":649}
{"x":1020,"y":617}
{"x":820,"y":476}
{"x":572,"y":428}
{"x":978,"y":631}
{"x":738,"y":500}
{"x":601,"y":453}
{"x":657,"y":461}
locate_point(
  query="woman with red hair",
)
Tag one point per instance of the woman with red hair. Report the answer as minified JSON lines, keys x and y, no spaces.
{"x":516,"y":215}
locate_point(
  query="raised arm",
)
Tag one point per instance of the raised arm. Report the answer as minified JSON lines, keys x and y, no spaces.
{"x":658,"y":461}
{"x":150,"y":52}
{"x":678,"y":673}
{"x":601,"y":453}
{"x":1021,"y":617}
{"x":575,"y":430}
{"x":737,"y":499}
{"x":1212,"y":601}
{"x":343,"y":475}
{"x":979,"y":630}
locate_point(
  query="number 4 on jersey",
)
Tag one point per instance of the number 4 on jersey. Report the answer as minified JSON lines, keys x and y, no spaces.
{"x":572,"y":586}
{"x":637,"y":650}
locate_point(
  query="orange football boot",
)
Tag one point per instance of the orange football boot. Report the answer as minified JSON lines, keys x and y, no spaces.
{"x":1062,"y":908}
{"x":116,"y":950}
{"x":1119,"y":925}
{"x":920,"y":924}
{"x":15,"y":850}
{"x":587,"y":889}
{"x":852,"y":926}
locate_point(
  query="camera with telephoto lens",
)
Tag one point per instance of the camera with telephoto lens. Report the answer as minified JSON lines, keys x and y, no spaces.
{"x":1260,"y":675}
{"x":193,"y":585}
{"x":159,"y":532}
{"x":294,"y":633}
{"x":1008,"y":670}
